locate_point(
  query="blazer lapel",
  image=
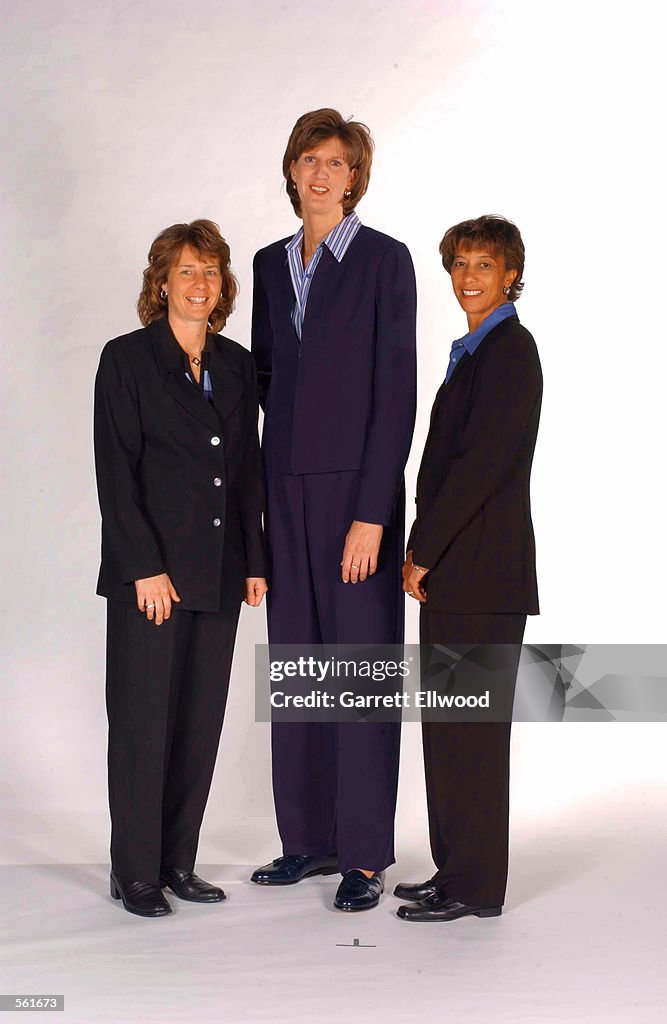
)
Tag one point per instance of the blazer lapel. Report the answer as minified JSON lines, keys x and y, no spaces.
{"x":226,"y":382}
{"x":465,"y":358}
{"x":169,"y":357}
{"x":324,"y":283}
{"x":285,"y":298}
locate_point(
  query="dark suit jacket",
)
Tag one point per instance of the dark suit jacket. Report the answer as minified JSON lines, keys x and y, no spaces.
{"x":157,"y":460}
{"x":473,"y":528}
{"x":343,"y":398}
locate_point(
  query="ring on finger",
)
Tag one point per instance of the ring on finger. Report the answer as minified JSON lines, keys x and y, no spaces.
{"x":151,"y":605}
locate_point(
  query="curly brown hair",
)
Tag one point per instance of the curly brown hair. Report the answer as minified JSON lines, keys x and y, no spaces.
{"x":318,"y":126}
{"x":497,"y":234}
{"x":204,"y":237}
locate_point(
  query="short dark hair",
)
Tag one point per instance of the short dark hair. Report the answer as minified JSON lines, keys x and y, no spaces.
{"x":497,"y":234}
{"x":204,"y":237}
{"x":318,"y":126}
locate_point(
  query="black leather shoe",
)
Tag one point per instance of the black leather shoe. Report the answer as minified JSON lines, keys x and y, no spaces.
{"x":291,"y":869}
{"x":439,"y":908}
{"x":188,"y":886}
{"x":415,"y":893}
{"x":356,"y":892}
{"x":142,"y":898}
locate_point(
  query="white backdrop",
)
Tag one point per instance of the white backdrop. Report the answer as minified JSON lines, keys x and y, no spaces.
{"x":125,"y":117}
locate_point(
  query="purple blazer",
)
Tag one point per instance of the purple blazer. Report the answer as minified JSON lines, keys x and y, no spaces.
{"x":344,"y":397}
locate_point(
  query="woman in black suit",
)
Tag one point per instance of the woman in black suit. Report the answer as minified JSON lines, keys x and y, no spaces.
{"x":471,"y":564}
{"x":180,"y":489}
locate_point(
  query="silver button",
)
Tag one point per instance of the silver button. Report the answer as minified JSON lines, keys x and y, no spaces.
{"x":217,"y":482}
{"x":215,"y":440}
{"x":216,"y":522}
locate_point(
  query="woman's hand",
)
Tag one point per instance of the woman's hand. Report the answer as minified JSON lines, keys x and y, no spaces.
{"x":255,"y":589}
{"x":154,"y":596}
{"x":360,"y":554}
{"x":412,"y":579}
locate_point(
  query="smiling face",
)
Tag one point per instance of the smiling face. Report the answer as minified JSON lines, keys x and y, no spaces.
{"x":193,"y":287}
{"x":478,"y":278}
{"x":322,"y":175}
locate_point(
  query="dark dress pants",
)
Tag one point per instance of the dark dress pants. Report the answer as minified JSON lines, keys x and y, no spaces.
{"x":166,"y":694}
{"x":334,"y":784}
{"x":467,"y":771}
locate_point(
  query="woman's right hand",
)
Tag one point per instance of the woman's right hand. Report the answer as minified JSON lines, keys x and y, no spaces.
{"x":154,"y":597}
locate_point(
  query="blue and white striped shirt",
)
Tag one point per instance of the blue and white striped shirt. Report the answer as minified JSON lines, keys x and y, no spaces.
{"x":337,"y":242}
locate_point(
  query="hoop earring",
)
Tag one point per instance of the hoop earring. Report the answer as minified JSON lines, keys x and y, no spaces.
{"x":163,"y":295}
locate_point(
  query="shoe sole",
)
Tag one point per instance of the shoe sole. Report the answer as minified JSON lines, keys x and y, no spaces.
{"x":355,"y":910}
{"x":492,"y":912}
{"x":295,"y":881}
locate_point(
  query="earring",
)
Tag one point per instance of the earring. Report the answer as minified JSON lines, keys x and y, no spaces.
{"x":506,"y":290}
{"x":163,"y":295}
{"x":347,"y":193}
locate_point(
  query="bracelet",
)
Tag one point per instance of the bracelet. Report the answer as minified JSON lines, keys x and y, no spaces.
{"x":420,"y":568}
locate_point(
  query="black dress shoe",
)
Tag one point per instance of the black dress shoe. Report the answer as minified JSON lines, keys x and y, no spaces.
{"x":142,"y":898}
{"x":356,"y":892}
{"x":440,"y":908}
{"x":188,"y":886}
{"x":415,"y":893}
{"x":292,"y":868}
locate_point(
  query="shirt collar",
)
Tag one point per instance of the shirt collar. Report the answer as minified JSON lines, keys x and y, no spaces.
{"x":473,"y":339}
{"x":337,"y":241}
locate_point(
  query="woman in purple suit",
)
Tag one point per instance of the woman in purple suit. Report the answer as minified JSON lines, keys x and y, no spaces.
{"x":334,"y":340}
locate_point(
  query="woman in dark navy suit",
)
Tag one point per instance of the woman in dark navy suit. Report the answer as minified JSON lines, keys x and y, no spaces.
{"x":181,"y":494}
{"x":334,"y":340}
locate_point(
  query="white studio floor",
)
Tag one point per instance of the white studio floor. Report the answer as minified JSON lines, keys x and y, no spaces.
{"x":582,"y":939}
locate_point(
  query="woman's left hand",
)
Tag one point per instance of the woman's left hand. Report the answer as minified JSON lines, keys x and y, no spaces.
{"x":412,"y":579}
{"x":360,"y":554}
{"x":255,"y":589}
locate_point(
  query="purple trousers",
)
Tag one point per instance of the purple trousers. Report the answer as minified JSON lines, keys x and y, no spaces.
{"x":334,"y":784}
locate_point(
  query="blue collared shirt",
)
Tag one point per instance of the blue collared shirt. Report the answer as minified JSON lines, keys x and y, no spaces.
{"x":337,"y":242}
{"x":474,"y":339}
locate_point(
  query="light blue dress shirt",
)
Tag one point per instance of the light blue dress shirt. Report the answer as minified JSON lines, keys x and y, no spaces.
{"x":474,"y":339}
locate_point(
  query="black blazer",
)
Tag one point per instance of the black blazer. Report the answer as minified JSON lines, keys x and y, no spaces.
{"x":343,"y":398}
{"x":179,"y":480}
{"x":473,"y":528}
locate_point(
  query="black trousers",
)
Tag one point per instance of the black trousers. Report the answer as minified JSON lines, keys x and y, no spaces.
{"x":467,"y":771}
{"x":166,"y":694}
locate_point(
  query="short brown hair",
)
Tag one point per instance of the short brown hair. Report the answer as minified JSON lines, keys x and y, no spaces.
{"x":204,"y":237}
{"x":497,"y":234}
{"x":318,"y":126}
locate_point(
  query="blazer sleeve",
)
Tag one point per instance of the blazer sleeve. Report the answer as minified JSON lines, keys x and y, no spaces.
{"x":127,"y":535}
{"x":508,"y":390}
{"x":261,"y":333}
{"x":252,"y":489}
{"x":394,"y":397}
